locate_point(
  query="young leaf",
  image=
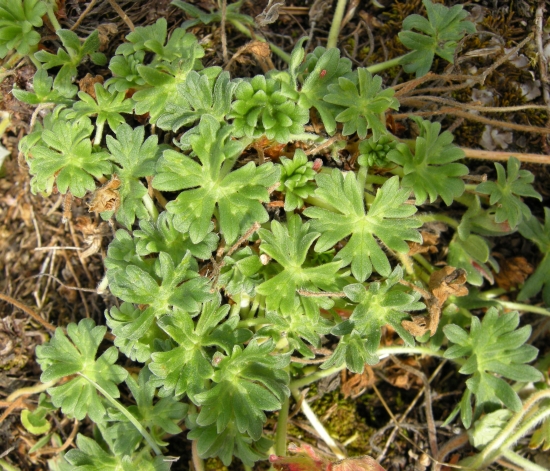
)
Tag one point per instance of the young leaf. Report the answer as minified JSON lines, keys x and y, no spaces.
{"x":389,"y":219}
{"x":380,"y":304}
{"x":251,"y":381}
{"x":429,"y":171}
{"x":507,"y":190}
{"x":173,"y":286}
{"x":17,"y":19}
{"x":61,"y":357}
{"x":493,"y":346}
{"x":540,"y":234}
{"x":212,"y":187}
{"x":363,"y":106}
{"x":240,"y":273}
{"x":185,"y":368}
{"x":289,"y":245}
{"x":159,"y":418}
{"x":228,"y":444}
{"x":261,"y":108}
{"x":152,"y":38}
{"x":71,"y":57}
{"x":135,"y":159}
{"x":375,"y":153}
{"x":65,"y":157}
{"x":231,"y":14}
{"x":162,"y":236}
{"x":43,"y":91}
{"x":472,"y":255}
{"x":316,"y":83}
{"x":295,"y":177}
{"x":442,"y":30}
{"x":125,"y":73}
{"x":199,"y":95}
{"x":90,"y":455}
{"x":106,"y":106}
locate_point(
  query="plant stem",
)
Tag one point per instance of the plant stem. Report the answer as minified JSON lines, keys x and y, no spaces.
{"x":98,"y":133}
{"x":144,"y":433}
{"x":399,"y":349}
{"x":375,"y":68}
{"x":8,"y":467}
{"x":439,"y":217}
{"x":317,"y":425}
{"x":314,"y":377}
{"x":523,"y":307}
{"x":336,"y":22}
{"x":522,"y":462}
{"x":280,"y":435}
{"x":503,"y":440}
{"x":52,"y":17}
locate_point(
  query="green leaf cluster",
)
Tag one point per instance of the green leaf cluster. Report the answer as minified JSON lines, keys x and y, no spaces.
{"x":439,"y":35}
{"x":18,"y":18}
{"x":263,"y":108}
{"x":507,"y":192}
{"x":495,"y":349}
{"x":432,"y":170}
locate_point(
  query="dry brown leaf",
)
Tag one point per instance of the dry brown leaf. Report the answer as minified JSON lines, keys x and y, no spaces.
{"x":429,"y":244}
{"x":356,"y":384}
{"x":106,"y":198}
{"x":86,"y":84}
{"x":448,"y":281}
{"x":513,"y":272}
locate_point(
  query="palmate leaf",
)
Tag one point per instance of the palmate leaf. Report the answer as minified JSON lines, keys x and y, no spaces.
{"x":134,"y":159}
{"x":362,"y":106}
{"x":61,"y":357}
{"x":106,"y":106}
{"x":431,"y":170}
{"x":17,"y":19}
{"x":240,"y":272}
{"x":43,"y":92}
{"x":379,"y":305}
{"x":506,"y":193}
{"x":152,"y":38}
{"x":159,"y":418}
{"x":200,"y":95}
{"x":70,"y":56}
{"x":389,"y":219}
{"x":211,"y":186}
{"x":494,"y":346}
{"x":289,"y":245}
{"x":540,"y":234}
{"x":251,"y":381}
{"x":64,"y":157}
{"x":185,"y":368}
{"x":174,"y":285}
{"x":91,"y":456}
{"x":162,"y":236}
{"x":228,"y":444}
{"x":324,"y":67}
{"x":442,"y":30}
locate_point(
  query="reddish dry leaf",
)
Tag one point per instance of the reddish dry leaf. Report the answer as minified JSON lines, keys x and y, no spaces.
{"x":448,"y":281}
{"x":513,"y":272}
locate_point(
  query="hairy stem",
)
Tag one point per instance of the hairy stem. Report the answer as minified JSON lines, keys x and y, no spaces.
{"x":439,"y":217}
{"x":522,"y":462}
{"x":336,"y":22}
{"x":280,"y":435}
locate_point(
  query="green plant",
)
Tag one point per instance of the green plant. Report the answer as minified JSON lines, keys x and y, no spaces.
{"x":220,"y":293}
